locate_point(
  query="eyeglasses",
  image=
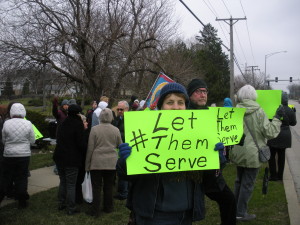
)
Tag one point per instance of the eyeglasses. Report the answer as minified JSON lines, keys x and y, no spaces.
{"x":120,"y":109}
{"x":198,"y":91}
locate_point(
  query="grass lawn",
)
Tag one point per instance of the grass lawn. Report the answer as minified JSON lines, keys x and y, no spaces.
{"x":41,"y":159}
{"x":270,"y":209}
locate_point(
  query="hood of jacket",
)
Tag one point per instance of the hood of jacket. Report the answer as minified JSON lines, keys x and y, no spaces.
{"x":17,"y":109}
{"x":102,"y":105}
{"x":284,"y":98}
{"x":250,"y":105}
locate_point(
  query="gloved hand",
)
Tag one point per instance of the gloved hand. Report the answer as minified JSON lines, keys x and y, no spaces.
{"x":124,"y":151}
{"x":220,"y":147}
{"x":279,"y":112}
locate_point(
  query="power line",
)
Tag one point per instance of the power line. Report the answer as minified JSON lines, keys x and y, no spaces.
{"x":199,"y":20}
{"x":237,"y":64}
{"x":248,"y":33}
{"x":231,"y":22}
{"x":237,"y":35}
{"x":192,"y":13}
{"x":226,"y":7}
{"x":212,"y":9}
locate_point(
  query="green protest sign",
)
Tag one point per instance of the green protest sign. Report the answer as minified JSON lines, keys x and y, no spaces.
{"x":171,"y":140}
{"x":269,"y":100}
{"x":230,"y":127}
{"x":37,"y":133}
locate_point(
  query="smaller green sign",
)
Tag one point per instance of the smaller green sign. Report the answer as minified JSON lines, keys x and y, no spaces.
{"x":230,"y":126}
{"x":269,"y":100}
{"x":37,"y":133}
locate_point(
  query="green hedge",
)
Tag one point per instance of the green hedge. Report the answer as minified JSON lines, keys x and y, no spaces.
{"x":39,"y":121}
{"x":35,"y":102}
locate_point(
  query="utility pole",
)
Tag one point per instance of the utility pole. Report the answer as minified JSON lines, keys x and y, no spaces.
{"x":253,"y":68}
{"x":231,"y":22}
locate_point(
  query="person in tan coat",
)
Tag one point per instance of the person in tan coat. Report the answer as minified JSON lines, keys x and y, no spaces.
{"x":101,"y":159}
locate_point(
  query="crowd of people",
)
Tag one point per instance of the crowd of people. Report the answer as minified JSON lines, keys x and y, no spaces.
{"x":88,"y":144}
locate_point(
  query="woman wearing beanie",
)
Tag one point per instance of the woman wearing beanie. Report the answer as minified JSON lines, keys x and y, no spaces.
{"x":164,"y":198}
{"x":279,"y":144}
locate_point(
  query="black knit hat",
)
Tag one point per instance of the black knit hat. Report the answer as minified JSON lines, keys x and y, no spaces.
{"x":74,"y":109}
{"x":194,"y":85}
{"x":172,"y":88}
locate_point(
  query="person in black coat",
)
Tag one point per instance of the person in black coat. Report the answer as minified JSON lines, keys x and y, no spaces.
{"x":69,"y":157}
{"x":215,"y":186}
{"x":279,"y":144}
{"x":123,"y":106}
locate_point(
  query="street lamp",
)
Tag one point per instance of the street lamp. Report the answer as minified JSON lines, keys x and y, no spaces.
{"x":267,"y":56}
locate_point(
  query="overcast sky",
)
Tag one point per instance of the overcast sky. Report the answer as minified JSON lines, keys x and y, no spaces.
{"x":271,"y":26}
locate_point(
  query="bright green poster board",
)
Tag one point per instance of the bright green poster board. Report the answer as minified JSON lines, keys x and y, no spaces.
{"x":230,"y":127}
{"x":37,"y":133}
{"x":269,"y":100}
{"x":174,"y":140}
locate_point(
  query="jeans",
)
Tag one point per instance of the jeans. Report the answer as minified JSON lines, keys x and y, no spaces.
{"x":277,"y":172}
{"x":243,"y":188}
{"x":107,"y":176}
{"x":15,"y":170}
{"x":166,"y":218}
{"x":227,"y":205}
{"x":122,"y":188}
{"x":67,"y":186}
{"x":80,"y":179}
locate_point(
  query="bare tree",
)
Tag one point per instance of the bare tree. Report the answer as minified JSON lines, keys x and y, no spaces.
{"x":255,"y":80}
{"x":97,"y":43}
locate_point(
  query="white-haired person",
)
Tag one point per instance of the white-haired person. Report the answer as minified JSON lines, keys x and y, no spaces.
{"x":246,"y":157}
{"x":101,"y":160}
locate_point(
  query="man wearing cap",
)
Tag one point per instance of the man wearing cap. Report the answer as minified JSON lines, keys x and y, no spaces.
{"x":123,"y":106}
{"x":214,"y":183}
{"x":60,"y":115}
{"x":69,"y":157}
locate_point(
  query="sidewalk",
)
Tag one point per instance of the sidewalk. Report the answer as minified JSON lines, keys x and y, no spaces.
{"x":291,"y":176}
{"x":40,"y":180}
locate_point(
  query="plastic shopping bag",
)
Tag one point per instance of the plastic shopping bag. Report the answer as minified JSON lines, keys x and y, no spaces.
{"x":87,"y":191}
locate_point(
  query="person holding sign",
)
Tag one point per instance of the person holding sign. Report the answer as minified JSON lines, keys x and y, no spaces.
{"x":164,"y":198}
{"x":282,"y":141}
{"x":246,"y":157}
{"x":214,"y":183}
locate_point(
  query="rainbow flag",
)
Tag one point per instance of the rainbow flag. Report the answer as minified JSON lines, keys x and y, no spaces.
{"x":152,"y":97}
